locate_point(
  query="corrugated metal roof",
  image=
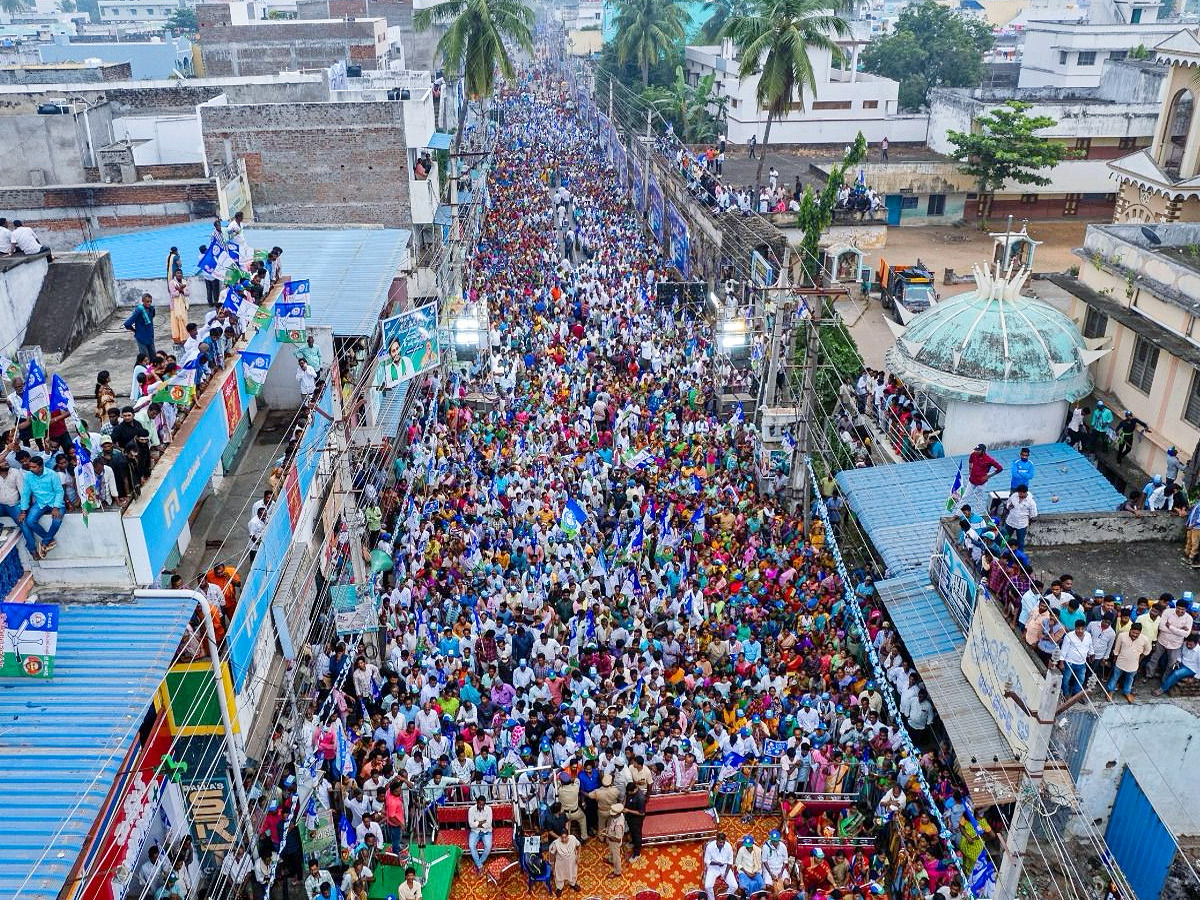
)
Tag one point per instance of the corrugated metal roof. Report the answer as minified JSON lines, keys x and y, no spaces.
{"x":391,"y":409}
{"x":899,"y":505}
{"x":62,"y":741}
{"x":920,"y":616}
{"x":351,"y":269}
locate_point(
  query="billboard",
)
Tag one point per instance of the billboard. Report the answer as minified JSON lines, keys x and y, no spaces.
{"x":29,"y":633}
{"x":409,"y":346}
{"x":654,"y":199}
{"x":680,"y":241}
{"x":639,"y":183}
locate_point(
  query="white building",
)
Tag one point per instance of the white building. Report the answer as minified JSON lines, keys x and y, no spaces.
{"x":846,"y":101}
{"x":1096,"y":124}
{"x":148,"y":12}
{"x":1069,"y":50}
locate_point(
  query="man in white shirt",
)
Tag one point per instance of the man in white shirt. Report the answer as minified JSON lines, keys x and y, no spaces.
{"x":479,"y":839}
{"x":1076,"y":652}
{"x":776,"y":871}
{"x":307,"y":379}
{"x":718,"y":865}
{"x":5,"y":238}
{"x":256,"y":526}
{"x":24,"y":240}
{"x":1103,"y":636}
{"x":1021,"y":510}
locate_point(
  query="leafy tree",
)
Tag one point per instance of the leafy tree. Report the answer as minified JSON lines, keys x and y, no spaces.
{"x":774,"y":39}
{"x":91,"y":7}
{"x":67,"y":6}
{"x":1004,"y":147}
{"x":647,"y":30}
{"x":183,"y":20}
{"x":931,"y":46}
{"x":723,"y":11}
{"x":13,"y":7}
{"x":688,"y":107}
{"x":816,"y":210}
{"x":477,"y":41}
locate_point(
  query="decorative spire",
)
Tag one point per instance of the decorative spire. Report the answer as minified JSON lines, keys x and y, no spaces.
{"x":997,"y":285}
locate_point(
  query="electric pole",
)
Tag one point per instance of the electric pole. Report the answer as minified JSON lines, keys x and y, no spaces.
{"x":1030,"y":791}
{"x":808,"y":405}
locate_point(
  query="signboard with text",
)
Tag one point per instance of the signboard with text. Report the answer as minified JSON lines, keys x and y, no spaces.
{"x":30,"y":639}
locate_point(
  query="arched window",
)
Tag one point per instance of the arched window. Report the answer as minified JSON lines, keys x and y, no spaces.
{"x":1179,"y":122}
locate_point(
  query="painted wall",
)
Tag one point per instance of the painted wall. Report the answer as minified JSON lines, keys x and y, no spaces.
{"x":168,"y":139}
{"x":1000,"y":424}
{"x":20,"y":283}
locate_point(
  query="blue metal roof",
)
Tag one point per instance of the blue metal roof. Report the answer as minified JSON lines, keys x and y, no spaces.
{"x":62,"y":741}
{"x":351,"y":269}
{"x":917,"y":611}
{"x":439,"y":141}
{"x":899,"y":505}
{"x":391,"y":408}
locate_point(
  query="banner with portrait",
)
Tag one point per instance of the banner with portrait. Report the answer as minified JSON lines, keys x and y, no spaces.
{"x":654,"y":201}
{"x":637,"y":177}
{"x":602,"y":130}
{"x":680,"y":248}
{"x":409,"y":346}
{"x":622,"y":171}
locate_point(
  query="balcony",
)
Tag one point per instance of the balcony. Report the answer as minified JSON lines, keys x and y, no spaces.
{"x":423,"y":196}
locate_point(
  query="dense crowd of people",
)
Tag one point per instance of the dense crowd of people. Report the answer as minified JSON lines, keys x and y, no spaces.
{"x":587,"y":600}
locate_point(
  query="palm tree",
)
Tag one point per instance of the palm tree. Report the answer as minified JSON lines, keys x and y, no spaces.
{"x":477,"y":42}
{"x":13,"y":7}
{"x":774,"y":40}
{"x":688,"y":107}
{"x":646,"y":31}
{"x":723,"y":11}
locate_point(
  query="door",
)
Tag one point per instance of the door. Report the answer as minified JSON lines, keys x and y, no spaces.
{"x":893,"y":202}
{"x":1140,"y":843}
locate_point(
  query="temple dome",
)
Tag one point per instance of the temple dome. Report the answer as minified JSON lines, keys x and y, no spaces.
{"x":994,"y":345}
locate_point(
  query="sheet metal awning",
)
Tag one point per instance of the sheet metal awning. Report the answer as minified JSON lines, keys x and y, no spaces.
{"x":439,"y":141}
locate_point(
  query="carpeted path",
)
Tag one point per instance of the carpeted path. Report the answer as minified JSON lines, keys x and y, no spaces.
{"x":670,"y":869}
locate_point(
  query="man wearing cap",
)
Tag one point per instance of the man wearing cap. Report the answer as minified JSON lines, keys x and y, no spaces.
{"x":776,"y":863}
{"x":606,"y":796}
{"x":748,"y":863}
{"x":568,"y":796}
{"x":980,"y":467}
{"x":718,"y":865}
{"x":613,"y":835}
{"x":1188,"y":667}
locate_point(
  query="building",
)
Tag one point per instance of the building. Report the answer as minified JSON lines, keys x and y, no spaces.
{"x":234,"y":43}
{"x":92,"y":70}
{"x":419,"y":47}
{"x":1161,"y":182}
{"x":162,"y":58}
{"x":149,"y":13}
{"x":845,"y":102}
{"x":1069,"y":50}
{"x":918,"y":188}
{"x":994,"y":366}
{"x":1096,"y":125}
{"x":1137,"y":295}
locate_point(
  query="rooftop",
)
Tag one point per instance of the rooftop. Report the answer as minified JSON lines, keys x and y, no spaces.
{"x":899,"y":506}
{"x":351,"y":269}
{"x":64,"y":740}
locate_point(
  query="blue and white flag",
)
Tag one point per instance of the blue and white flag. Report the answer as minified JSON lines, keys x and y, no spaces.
{"x":344,"y":760}
{"x":774,"y":748}
{"x":639,"y":537}
{"x":983,"y":876}
{"x":572,"y":519}
{"x":789,"y":440}
{"x":697,"y":484}
{"x":956,"y":490}
{"x":738,"y":416}
{"x":60,"y":396}
{"x":697,"y":516}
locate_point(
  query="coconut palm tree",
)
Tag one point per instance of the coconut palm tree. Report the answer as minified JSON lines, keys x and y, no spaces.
{"x":773,"y":40}
{"x":646,"y":31}
{"x":479,"y":35}
{"x":13,"y":7}
{"x":689,"y":108}
{"x":722,"y":12}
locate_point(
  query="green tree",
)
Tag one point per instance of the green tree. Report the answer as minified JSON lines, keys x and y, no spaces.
{"x":931,"y":46}
{"x":688,"y":107}
{"x":477,"y":40}
{"x":1004,"y":147}
{"x":67,"y":6}
{"x":774,"y":39}
{"x":13,"y":7}
{"x":647,"y":30}
{"x":816,"y":210}
{"x":183,"y":20}
{"x":723,"y":11}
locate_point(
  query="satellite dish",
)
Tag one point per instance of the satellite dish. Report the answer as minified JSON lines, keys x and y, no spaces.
{"x":1151,"y":235}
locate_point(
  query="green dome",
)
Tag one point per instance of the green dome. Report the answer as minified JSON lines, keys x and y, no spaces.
{"x":992,"y":345}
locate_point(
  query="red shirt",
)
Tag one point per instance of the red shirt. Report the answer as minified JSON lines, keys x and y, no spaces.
{"x":980,"y":465}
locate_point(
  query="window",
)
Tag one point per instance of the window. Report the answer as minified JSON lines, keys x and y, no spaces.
{"x":870,"y":104}
{"x":1029,"y":198}
{"x":1095,"y":324}
{"x":937,"y":205}
{"x":1191,"y":407}
{"x":831,"y":104}
{"x":1143,"y":364}
{"x":1062,"y":57}
{"x":1087,"y":58}
{"x":1118,"y":55}
{"x":908,"y":202}
{"x":1135,"y":16}
{"x":1127,"y":143}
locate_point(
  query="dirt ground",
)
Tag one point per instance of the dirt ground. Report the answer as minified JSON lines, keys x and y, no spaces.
{"x":956,"y":247}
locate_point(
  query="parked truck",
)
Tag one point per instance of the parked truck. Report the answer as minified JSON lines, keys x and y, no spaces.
{"x":906,"y":289}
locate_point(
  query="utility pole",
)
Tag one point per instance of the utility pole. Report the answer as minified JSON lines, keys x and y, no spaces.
{"x":777,"y":334}
{"x":648,"y":114}
{"x":610,"y":98}
{"x":1031,"y":785}
{"x":808,"y":406}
